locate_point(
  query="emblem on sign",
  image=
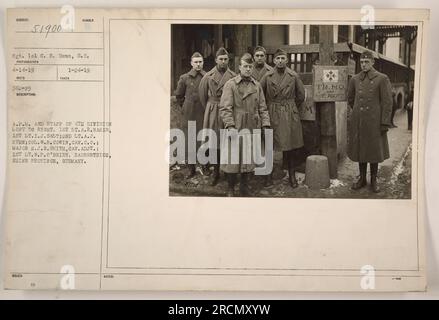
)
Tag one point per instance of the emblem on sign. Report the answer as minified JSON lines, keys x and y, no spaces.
{"x":330,"y":75}
{"x":329,"y":83}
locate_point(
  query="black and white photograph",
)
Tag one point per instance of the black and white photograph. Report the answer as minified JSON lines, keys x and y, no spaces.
{"x":329,"y":109}
{"x":253,"y":151}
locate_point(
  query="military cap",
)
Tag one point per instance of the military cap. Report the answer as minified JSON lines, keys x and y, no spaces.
{"x":279,"y":52}
{"x":247,"y":57}
{"x":260,"y":48}
{"x":367,"y":55}
{"x":221,"y":51}
{"x":196,"y":55}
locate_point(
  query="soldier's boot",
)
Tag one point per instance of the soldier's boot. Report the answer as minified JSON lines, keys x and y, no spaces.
{"x":231,"y":181}
{"x":361,"y":182}
{"x":206,"y":167}
{"x":216,"y":175}
{"x":292,"y":178}
{"x":268,"y":180}
{"x":244,"y":190}
{"x":206,"y":170}
{"x":191,"y":173}
{"x":373,"y":178}
{"x":285,"y":160}
{"x":216,"y":170}
{"x":291,"y":171}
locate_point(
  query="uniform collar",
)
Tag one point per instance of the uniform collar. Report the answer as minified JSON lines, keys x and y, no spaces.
{"x":194,"y":73}
{"x":217,"y":70}
{"x":217,"y":75}
{"x":220,"y":79}
{"x":248,"y":90}
{"x":287,"y":70}
{"x":372,"y":73}
{"x":265,"y":66}
{"x":238,"y":79}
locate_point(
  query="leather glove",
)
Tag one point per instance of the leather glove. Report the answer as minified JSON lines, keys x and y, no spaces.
{"x":384,"y":128}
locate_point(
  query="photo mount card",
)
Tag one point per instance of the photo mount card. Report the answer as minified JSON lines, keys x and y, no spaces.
{"x":101,"y":104}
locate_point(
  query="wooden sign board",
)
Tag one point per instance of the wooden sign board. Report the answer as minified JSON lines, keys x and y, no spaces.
{"x":330,"y":83}
{"x":307,"y":109}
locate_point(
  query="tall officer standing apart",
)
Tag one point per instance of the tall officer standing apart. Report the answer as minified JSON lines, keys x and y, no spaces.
{"x":211,"y":89}
{"x":284,"y":91}
{"x":370,"y":97}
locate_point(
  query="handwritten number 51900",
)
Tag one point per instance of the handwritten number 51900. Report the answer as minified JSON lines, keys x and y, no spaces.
{"x":46,"y":28}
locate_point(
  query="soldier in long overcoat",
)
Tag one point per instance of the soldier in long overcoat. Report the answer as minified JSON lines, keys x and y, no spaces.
{"x":211,"y":89}
{"x":242,"y":106}
{"x":370,"y":97}
{"x":284,"y":91}
{"x":187,"y":95}
{"x":260,"y":65}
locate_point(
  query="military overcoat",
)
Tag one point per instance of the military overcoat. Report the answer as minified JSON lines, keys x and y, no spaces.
{"x":259,"y":73}
{"x":370,"y":97}
{"x":283,"y":93}
{"x":210,"y":90}
{"x":243,"y":107}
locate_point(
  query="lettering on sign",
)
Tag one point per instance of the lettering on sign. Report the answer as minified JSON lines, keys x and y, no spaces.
{"x":330,"y":83}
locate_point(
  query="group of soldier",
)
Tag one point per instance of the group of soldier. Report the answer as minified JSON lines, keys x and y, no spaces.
{"x":263,"y":97}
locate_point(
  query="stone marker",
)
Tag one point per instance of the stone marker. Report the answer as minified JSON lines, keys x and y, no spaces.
{"x":317,"y":172}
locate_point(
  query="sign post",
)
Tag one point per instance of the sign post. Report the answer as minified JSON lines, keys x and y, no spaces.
{"x":351,"y":67}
